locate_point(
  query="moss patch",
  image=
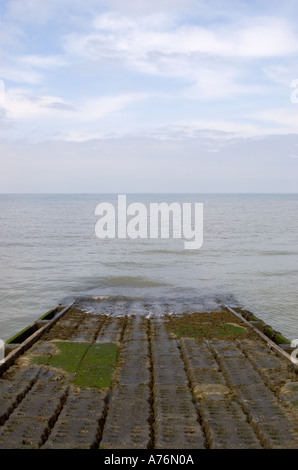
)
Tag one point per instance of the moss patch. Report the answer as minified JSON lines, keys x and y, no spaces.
{"x":268,"y":331}
{"x":272,"y":334}
{"x":222,"y":325}
{"x":97,"y":367}
{"x":278,"y":338}
{"x":92,"y":365}
{"x":275,"y":336}
{"x":246,"y":314}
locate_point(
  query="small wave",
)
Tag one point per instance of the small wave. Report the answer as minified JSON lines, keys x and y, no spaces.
{"x":172,"y":252}
{"x":278,"y":253}
{"x":100,"y":297}
{"x":289,"y":273}
{"x":110,"y":298}
{"x":130,"y":281}
{"x":111,"y":264}
{"x":115,"y":305}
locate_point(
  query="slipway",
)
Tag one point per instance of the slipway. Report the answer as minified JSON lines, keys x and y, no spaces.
{"x":77,"y":379}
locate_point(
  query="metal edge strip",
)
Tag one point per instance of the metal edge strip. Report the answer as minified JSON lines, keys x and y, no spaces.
{"x":265,"y":338}
{"x":19,"y":350}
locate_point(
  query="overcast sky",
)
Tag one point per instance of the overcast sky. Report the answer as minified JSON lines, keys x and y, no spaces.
{"x":148,"y":96}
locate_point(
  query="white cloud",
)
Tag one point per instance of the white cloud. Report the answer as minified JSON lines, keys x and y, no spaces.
{"x":177,"y":57}
{"x":213,"y":61}
{"x":132,"y":39}
{"x":43,"y":61}
{"x":20,"y":104}
{"x":282,"y":120}
{"x":17,"y":74}
{"x":79,"y":136}
{"x":282,"y":74}
{"x":52,"y":116}
{"x":274,"y":122}
{"x":71,"y":121}
{"x":112,"y":21}
{"x":218,"y":129}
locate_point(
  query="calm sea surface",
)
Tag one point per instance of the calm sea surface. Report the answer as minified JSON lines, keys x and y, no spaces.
{"x":49,"y":253}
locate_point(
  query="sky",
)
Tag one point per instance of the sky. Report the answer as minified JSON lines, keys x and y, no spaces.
{"x":148,"y":96}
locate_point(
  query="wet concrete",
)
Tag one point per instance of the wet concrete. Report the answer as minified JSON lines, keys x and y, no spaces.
{"x":169,"y":390}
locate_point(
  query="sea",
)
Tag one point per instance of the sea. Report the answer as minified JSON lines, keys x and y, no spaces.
{"x":50,"y":255}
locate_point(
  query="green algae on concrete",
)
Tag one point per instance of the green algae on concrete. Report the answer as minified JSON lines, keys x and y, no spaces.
{"x":246,"y":314}
{"x":228,"y":330}
{"x":92,"y":365}
{"x":196,"y":326}
{"x":97,"y":367}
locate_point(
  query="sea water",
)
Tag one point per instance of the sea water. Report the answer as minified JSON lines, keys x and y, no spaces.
{"x":49,"y":254}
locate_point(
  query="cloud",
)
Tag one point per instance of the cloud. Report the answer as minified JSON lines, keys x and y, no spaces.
{"x":89,"y":118}
{"x":19,"y":75}
{"x":172,"y":94}
{"x":52,"y":116}
{"x":212,"y":61}
{"x":21,"y":104}
{"x":132,"y":39}
{"x":43,"y":62}
{"x":216,"y":129}
{"x":283,"y":120}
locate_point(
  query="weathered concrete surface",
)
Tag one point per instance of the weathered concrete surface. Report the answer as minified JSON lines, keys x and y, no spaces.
{"x":213,"y":385}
